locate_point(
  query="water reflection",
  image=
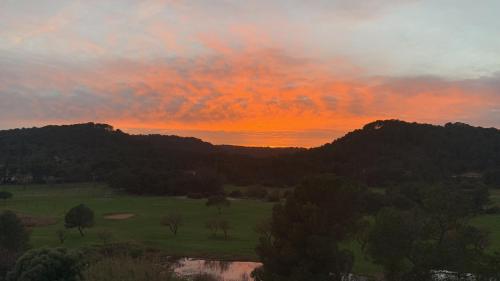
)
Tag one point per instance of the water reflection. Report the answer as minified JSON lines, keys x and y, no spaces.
{"x":222,"y":270}
{"x":230,"y":271}
{"x":219,"y":266}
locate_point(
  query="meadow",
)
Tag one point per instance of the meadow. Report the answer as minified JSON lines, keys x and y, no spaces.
{"x":50,"y":203}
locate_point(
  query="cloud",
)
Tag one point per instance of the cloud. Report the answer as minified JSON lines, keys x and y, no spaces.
{"x":262,"y":91}
{"x":282,"y":71}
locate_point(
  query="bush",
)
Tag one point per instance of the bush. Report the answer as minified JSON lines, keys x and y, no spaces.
{"x":236,"y":194}
{"x":274,"y":196}
{"x":173,"y":220}
{"x":492,"y":210}
{"x":219,"y":202}
{"x":257,"y":192}
{"x":47,"y":264}
{"x":286,"y":194}
{"x":5,"y":195}
{"x":61,"y":235}
{"x":195,"y":195}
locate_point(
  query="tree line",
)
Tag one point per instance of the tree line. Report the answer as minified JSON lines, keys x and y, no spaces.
{"x":417,"y":232}
{"x":381,"y":154}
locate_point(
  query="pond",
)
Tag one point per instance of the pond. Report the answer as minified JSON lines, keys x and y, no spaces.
{"x":222,"y":270}
{"x":229,"y":270}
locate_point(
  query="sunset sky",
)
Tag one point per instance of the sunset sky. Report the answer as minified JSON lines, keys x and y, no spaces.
{"x":260,"y":72}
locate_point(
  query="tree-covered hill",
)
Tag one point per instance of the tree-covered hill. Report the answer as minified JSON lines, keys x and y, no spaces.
{"x":86,"y":152}
{"x":393,"y":151}
{"x":381,"y":153}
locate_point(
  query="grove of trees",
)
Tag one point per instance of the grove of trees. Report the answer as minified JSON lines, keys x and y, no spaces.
{"x":304,"y":238}
{"x":418,"y":230}
{"x":382,"y":153}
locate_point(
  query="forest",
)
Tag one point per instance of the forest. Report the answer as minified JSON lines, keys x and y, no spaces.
{"x":381,"y":154}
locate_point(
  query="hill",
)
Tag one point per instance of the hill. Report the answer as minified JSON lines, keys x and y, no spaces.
{"x":381,"y":153}
{"x":394,"y":151}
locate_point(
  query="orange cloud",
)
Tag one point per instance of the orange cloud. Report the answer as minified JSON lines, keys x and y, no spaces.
{"x":254,"y":97}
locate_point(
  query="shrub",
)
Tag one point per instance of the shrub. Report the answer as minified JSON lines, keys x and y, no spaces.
{"x":61,"y":235}
{"x":173,"y":221}
{"x":47,"y":264}
{"x":287,"y":193}
{"x":236,"y":194}
{"x":257,"y":192}
{"x":225,"y":227}
{"x":492,"y":210}
{"x":195,"y":195}
{"x":213,"y":226}
{"x":219,"y":202}
{"x":274,"y":196}
{"x":5,"y":195}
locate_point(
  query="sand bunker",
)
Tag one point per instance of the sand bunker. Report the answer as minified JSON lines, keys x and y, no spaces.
{"x":119,"y":216}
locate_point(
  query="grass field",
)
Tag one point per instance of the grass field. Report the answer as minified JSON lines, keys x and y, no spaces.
{"x":193,"y":240}
{"x":144,"y":228}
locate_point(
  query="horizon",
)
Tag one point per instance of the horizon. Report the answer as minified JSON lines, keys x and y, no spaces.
{"x":333,"y":138}
{"x":279,"y":74}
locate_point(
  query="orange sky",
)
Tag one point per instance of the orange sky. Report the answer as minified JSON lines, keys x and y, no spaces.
{"x":249,"y":74}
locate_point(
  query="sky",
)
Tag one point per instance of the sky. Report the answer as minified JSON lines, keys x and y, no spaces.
{"x":257,"y":73}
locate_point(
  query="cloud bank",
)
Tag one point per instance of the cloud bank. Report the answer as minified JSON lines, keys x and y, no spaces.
{"x":279,"y":73}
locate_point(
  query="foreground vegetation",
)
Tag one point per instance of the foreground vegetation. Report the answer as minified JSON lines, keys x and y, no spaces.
{"x":45,"y":207}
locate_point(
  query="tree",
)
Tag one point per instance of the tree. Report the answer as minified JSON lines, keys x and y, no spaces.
{"x":391,"y":241}
{"x":61,"y":235}
{"x":219,"y":202}
{"x":303,"y":242}
{"x":13,"y":235}
{"x":274,"y":196}
{"x":213,"y":226}
{"x":80,"y":217}
{"x":7,"y":262}
{"x":47,"y":264}
{"x":13,"y":240}
{"x":105,"y":236}
{"x":5,"y":195}
{"x":173,"y":221}
{"x":263,"y":229}
{"x":225,"y":227}
{"x":434,"y":233}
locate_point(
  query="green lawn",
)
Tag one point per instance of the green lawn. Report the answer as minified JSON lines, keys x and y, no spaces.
{"x":144,"y":228}
{"x":491,"y":223}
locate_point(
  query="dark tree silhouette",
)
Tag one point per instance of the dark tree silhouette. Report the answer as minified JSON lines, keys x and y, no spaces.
{"x":5,"y":195}
{"x":218,"y":202}
{"x":173,"y":221}
{"x":80,"y":217}
{"x":302,"y":241}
